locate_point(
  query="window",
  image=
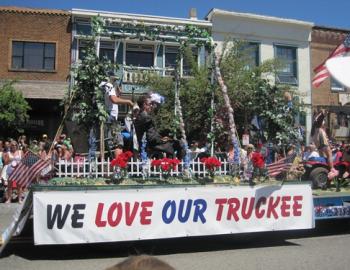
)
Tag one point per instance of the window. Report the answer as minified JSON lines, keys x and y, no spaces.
{"x":107,"y":50}
{"x":33,"y":55}
{"x":82,"y":49}
{"x":287,"y":74}
{"x":83,"y":26}
{"x":186,"y":68}
{"x":171,"y":53}
{"x":252,"y":54}
{"x":139,"y":55}
{"x":336,"y":86}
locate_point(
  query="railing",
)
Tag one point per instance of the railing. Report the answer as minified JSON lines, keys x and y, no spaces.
{"x":134,"y":75}
{"x":101,"y":168}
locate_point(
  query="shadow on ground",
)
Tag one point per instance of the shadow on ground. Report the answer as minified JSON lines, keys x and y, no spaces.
{"x":24,"y":247}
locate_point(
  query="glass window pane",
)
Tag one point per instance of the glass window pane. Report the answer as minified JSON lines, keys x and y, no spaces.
{"x":17,"y":48}
{"x":139,"y":59}
{"x":287,"y":73}
{"x":335,"y":85}
{"x":107,"y":54}
{"x":49,"y":63}
{"x":170,"y":60}
{"x":16,"y":62}
{"x":50,"y":49}
{"x":33,"y":55}
{"x":82,"y":53}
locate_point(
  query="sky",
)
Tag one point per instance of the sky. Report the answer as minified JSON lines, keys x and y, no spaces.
{"x":320,"y":12}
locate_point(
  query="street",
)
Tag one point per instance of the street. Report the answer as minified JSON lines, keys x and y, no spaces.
{"x":326,"y":247}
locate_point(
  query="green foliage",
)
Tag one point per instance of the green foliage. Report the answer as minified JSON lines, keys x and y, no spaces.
{"x":13,"y":110}
{"x":195,"y":96}
{"x":88,"y":105}
{"x":251,"y":94}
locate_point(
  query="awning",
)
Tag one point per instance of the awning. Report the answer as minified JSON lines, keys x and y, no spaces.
{"x":42,"y":89}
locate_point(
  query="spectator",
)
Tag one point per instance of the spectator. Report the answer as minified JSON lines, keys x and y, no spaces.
{"x":258,"y":163}
{"x":11,"y":160}
{"x":1,"y":154}
{"x":142,"y":262}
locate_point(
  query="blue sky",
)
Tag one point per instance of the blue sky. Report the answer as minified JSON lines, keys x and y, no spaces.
{"x":321,"y":12}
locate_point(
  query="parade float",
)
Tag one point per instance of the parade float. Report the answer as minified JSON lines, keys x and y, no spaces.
{"x":94,"y":199}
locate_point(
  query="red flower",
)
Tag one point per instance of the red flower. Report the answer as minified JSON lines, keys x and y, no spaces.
{"x":122,"y":160}
{"x":165,"y":164}
{"x":211,"y":163}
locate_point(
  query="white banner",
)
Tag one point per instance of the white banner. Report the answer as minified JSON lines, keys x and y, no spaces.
{"x":67,"y":217}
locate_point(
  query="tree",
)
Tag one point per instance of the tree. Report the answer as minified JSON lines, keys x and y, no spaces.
{"x":87,"y":99}
{"x":252,"y":94}
{"x":13,"y":110}
{"x":195,"y":95}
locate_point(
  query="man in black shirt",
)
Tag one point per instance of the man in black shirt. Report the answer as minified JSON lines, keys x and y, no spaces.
{"x":144,"y":125}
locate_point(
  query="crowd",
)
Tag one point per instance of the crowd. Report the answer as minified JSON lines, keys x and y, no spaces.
{"x":12,"y":151}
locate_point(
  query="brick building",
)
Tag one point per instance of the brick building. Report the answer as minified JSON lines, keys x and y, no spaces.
{"x":330,"y":95}
{"x":35,"y":51}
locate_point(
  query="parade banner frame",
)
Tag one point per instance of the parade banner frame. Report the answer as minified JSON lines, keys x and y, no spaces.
{"x":92,"y":216}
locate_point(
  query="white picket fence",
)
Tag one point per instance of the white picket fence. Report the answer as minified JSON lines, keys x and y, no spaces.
{"x":101,"y":168}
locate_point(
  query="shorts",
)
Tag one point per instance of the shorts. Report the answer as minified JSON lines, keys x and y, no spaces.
{"x":113,"y":131}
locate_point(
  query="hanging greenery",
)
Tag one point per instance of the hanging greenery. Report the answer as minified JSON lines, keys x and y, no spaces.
{"x":87,"y":98}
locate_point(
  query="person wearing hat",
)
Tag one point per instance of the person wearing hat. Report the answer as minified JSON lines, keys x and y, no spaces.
{"x":320,"y":139}
{"x":112,"y":100}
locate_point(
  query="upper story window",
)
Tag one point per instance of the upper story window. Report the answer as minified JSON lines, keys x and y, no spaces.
{"x":139,"y":55}
{"x":171,"y":53}
{"x":252,"y":54}
{"x":83,"y":26}
{"x":336,"y":86}
{"x":186,"y":67}
{"x":33,"y":55}
{"x":107,"y":50}
{"x":287,"y":74}
{"x":82,"y":49}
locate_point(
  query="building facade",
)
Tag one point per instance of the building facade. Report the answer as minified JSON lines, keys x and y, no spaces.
{"x":129,"y":44}
{"x":330,"y":95}
{"x":273,"y":38}
{"x":35,"y":52}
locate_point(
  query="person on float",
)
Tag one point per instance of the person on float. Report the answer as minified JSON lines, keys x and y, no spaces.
{"x":320,"y":139}
{"x":144,"y":124}
{"x":112,"y":100}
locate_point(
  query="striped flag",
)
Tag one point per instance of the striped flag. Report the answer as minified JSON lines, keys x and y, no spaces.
{"x":28,"y":168}
{"x":322,"y":71}
{"x":280,"y":166}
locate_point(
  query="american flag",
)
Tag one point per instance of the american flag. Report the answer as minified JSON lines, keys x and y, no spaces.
{"x":322,"y":71}
{"x":280,"y":166}
{"x":28,"y":168}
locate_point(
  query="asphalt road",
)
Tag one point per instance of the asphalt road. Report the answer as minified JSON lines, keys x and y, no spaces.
{"x":326,"y":247}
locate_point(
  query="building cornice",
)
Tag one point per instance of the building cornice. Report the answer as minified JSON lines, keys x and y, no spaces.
{"x":141,"y":17}
{"x":215,"y":11}
{"x":33,"y":11}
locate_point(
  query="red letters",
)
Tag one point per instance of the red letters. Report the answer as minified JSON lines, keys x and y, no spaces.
{"x":146,"y":213}
{"x":115,"y":207}
{"x":233,"y":206}
{"x":118,"y":211}
{"x":98,"y":221}
{"x":297,"y":206}
{"x":246,"y":213}
{"x":285,"y":206}
{"x":264,"y":207}
{"x":259,"y":213}
{"x":221,"y":203}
